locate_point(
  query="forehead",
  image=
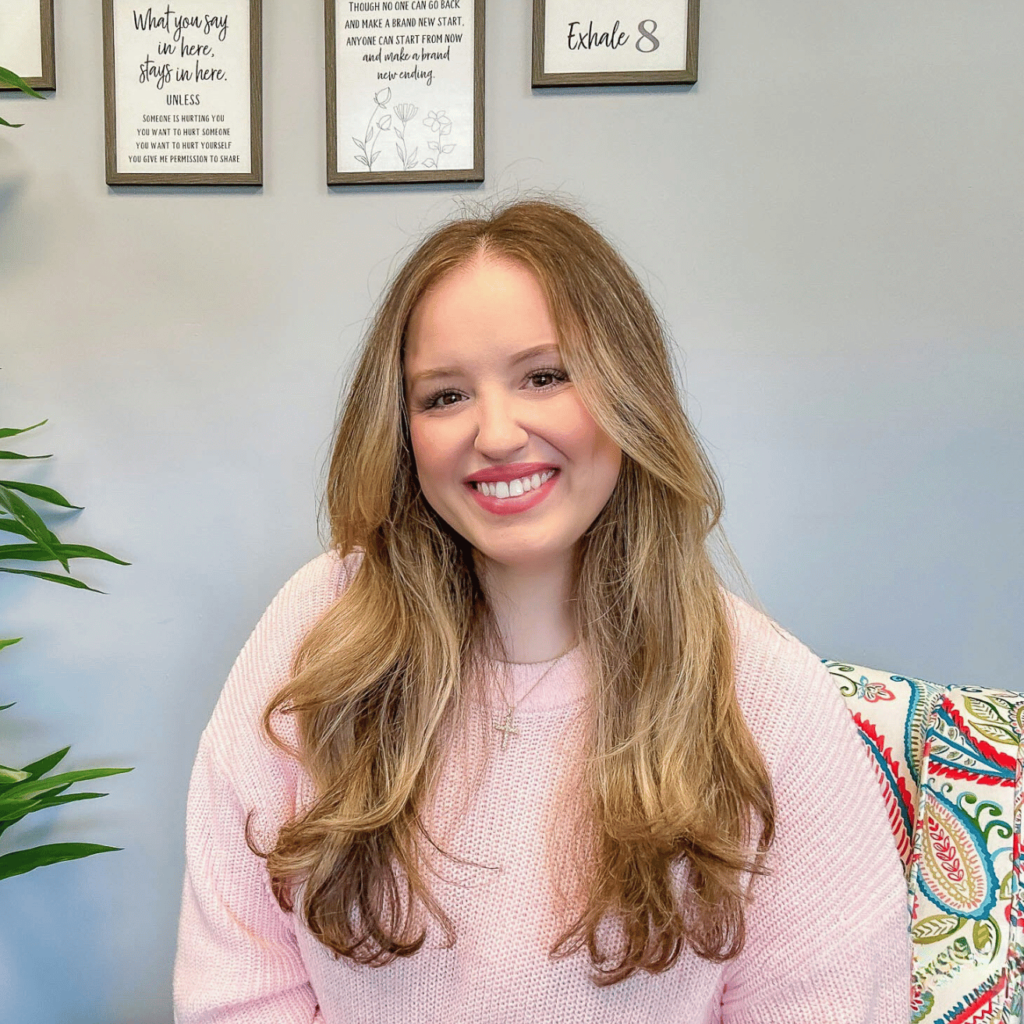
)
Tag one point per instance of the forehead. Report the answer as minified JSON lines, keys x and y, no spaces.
{"x":485,"y":310}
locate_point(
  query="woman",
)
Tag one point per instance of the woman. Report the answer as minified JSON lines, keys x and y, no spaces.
{"x":530,"y":761}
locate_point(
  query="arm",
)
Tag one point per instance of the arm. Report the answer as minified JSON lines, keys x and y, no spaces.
{"x":828,"y":932}
{"x":238,"y":961}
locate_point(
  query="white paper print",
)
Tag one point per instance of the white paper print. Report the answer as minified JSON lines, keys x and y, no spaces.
{"x":21,"y":29}
{"x":614,"y":35}
{"x":404,"y":85}
{"x":182,"y":75}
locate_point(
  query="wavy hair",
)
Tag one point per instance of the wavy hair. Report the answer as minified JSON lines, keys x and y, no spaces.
{"x":672,"y":777}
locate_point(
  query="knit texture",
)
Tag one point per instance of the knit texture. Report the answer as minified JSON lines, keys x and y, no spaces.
{"x":828,"y":937}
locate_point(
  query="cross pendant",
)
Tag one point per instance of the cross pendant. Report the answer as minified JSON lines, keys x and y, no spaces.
{"x":506,"y":728}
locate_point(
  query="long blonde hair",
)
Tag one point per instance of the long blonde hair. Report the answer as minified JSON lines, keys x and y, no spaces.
{"x":672,"y":774}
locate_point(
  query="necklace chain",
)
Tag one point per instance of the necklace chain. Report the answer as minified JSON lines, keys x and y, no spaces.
{"x":506,"y":725}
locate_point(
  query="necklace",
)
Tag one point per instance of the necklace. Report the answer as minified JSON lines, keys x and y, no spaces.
{"x":506,"y":725}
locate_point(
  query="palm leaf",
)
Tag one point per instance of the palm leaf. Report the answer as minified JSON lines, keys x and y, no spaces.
{"x":14,"y":798}
{"x":40,"y":492}
{"x":13,"y":526}
{"x":31,"y":520}
{"x":21,"y":861}
{"x":51,"y":577}
{"x":8,"y":77}
{"x":46,"y":764}
{"x":14,"y":431}
{"x":33,"y":553}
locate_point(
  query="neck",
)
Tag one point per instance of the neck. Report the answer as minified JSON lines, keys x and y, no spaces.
{"x":533,"y":607}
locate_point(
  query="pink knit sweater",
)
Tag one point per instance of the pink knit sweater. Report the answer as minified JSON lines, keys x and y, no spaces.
{"x":827,"y":934}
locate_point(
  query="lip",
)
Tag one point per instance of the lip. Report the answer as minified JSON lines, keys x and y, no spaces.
{"x":513,"y":471}
{"x":510,"y":506}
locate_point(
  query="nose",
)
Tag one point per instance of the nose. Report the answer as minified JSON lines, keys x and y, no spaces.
{"x":500,"y":432}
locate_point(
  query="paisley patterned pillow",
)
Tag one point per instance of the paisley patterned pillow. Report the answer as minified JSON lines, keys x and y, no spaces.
{"x":949,"y":762}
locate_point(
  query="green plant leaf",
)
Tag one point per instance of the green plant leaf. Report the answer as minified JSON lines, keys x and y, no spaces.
{"x":9,"y":776}
{"x":14,"y":431}
{"x":50,"y":577}
{"x":4,"y":707}
{"x":17,"y":799}
{"x":68,"y":798}
{"x":31,"y":520}
{"x":11,"y":813}
{"x":20,"y":861}
{"x":9,"y":643}
{"x":46,"y":764}
{"x":38,"y":491}
{"x":13,"y":526}
{"x":44,"y":803}
{"x":32,"y":553}
{"x":7,"y":124}
{"x":8,"y":77}
{"x":5,"y":454}
{"x":14,"y":798}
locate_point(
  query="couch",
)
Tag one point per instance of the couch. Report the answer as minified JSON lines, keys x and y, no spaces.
{"x":948,"y":760}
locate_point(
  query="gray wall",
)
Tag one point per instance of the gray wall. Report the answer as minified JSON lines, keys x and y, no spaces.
{"x":831,"y":222}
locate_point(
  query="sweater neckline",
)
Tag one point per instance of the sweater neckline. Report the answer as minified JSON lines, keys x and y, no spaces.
{"x":563,"y":687}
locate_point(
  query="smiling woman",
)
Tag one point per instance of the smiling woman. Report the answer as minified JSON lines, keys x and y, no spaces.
{"x":529,"y":756}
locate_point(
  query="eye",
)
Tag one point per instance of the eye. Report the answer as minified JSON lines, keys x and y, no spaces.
{"x":557,"y":377}
{"x":434,"y":401}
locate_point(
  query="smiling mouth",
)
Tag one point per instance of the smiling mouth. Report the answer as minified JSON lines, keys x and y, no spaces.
{"x":514,"y":488}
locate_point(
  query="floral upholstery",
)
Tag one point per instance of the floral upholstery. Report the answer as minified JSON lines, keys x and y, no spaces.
{"x":948,"y":759}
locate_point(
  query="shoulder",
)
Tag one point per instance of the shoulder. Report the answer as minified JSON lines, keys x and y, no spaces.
{"x":301,"y":602}
{"x":265,"y":662}
{"x":789,"y":700}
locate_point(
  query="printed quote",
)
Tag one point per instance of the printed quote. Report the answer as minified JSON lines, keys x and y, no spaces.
{"x":183,"y":60}
{"x":413,"y":51}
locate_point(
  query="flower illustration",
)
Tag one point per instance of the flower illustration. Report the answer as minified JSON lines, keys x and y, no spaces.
{"x":438,"y":121}
{"x":367,"y":154}
{"x":405,"y":112}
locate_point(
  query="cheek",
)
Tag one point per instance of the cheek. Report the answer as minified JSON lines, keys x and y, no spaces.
{"x":582,"y":432}
{"x":429,"y":448}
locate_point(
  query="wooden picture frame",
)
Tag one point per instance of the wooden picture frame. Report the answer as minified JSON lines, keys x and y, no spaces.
{"x":612,"y":45}
{"x":182,"y":90}
{"x":26,"y":43}
{"x":405,"y":91}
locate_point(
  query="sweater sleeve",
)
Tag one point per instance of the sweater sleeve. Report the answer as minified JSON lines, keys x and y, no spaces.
{"x":238,"y":959}
{"x":828,"y":931}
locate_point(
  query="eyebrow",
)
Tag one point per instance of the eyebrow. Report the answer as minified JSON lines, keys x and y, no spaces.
{"x":454,"y":371}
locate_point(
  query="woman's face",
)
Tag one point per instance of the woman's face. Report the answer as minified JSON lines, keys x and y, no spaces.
{"x":489,"y":399}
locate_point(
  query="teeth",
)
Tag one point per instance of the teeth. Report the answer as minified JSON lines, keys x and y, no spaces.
{"x":514,"y":488}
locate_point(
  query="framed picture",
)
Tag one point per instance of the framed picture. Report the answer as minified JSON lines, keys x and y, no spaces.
{"x":405,"y":91}
{"x":26,"y":42}
{"x":614,"y":42}
{"x":184,"y":94}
